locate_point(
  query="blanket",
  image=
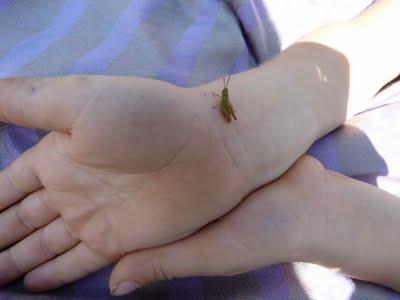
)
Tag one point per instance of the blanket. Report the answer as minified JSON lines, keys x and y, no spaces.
{"x":187,"y":43}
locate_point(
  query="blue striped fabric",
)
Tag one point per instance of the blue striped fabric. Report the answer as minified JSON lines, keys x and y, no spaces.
{"x":182,"y":62}
{"x":4,"y":4}
{"x":189,"y":43}
{"x":28,"y":50}
{"x":99,"y":59}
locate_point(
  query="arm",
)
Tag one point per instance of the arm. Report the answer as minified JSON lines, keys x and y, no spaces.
{"x":312,"y":87}
{"x":309,"y":214}
{"x":357,"y":231}
{"x":370,"y":46}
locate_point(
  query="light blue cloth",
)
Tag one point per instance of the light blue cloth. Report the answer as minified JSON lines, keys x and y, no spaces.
{"x":188,"y":43}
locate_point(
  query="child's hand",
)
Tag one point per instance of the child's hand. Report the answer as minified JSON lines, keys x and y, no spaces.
{"x":272,"y":225}
{"x":309,"y":214}
{"x":130,"y":164}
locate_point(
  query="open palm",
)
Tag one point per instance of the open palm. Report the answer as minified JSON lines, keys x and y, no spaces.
{"x":128,"y":164}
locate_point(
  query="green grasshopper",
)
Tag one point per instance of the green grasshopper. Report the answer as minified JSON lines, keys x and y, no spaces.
{"x":226,"y":106}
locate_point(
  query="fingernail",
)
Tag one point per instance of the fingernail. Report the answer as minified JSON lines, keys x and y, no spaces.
{"x":124,"y":288}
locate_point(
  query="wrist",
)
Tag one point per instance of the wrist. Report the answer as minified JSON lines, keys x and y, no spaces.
{"x":280,"y":112}
{"x":320,"y":82}
{"x":305,"y":196}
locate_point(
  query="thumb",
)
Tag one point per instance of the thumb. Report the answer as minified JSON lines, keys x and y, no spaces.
{"x":199,"y":254}
{"x":48,"y":103}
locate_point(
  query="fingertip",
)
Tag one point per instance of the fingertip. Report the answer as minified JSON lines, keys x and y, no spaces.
{"x":121,"y":272}
{"x":130,"y":273}
{"x":40,"y":280}
{"x":33,"y":283}
{"x":124,"y":288}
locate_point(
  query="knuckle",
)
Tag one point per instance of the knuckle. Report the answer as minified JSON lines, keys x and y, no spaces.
{"x":15,"y":261}
{"x":21,"y":175}
{"x":12,"y":179}
{"x":160,"y":272}
{"x":45,"y":243}
{"x":101,"y":235}
{"x":56,"y":238}
{"x":23,"y":217}
{"x":35,"y":209}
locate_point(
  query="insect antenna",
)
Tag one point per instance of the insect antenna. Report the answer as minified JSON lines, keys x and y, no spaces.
{"x":227,"y":82}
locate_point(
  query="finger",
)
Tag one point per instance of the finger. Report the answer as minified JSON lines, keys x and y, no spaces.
{"x":37,"y":102}
{"x":79,"y":262}
{"x":36,"y":249}
{"x":25,"y":217}
{"x":19,"y":178}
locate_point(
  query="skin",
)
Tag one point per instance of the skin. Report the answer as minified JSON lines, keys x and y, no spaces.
{"x":110,"y":178}
{"x":131,"y":164}
{"x":309,"y":214}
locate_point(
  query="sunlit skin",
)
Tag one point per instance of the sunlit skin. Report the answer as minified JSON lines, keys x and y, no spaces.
{"x":131,"y":164}
{"x":309,"y":214}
